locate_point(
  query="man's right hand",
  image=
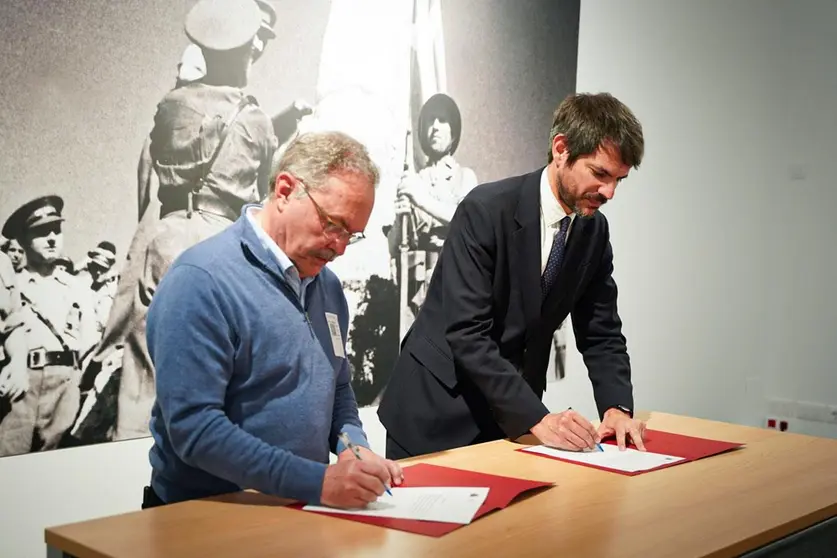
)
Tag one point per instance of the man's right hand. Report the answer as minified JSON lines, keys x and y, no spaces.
{"x":567,"y":431}
{"x":353,"y":483}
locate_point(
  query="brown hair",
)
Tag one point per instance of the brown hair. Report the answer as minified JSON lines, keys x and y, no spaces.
{"x":589,"y":120}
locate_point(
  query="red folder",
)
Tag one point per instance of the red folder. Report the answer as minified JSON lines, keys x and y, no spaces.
{"x":667,"y":443}
{"x":502,"y":490}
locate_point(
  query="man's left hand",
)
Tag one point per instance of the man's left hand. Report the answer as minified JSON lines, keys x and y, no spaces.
{"x":396,"y":475}
{"x":621,"y":424}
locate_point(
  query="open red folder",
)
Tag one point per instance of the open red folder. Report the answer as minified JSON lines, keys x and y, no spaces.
{"x":502,"y":490}
{"x":687,"y":447}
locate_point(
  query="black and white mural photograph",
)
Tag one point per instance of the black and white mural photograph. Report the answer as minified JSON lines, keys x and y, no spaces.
{"x":133,"y":129}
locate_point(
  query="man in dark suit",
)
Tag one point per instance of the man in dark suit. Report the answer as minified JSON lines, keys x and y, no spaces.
{"x":522,"y":254}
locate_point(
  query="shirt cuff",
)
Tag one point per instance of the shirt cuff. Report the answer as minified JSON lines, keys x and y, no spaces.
{"x":356,"y":435}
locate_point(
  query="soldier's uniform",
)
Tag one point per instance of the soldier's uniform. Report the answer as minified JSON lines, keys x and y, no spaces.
{"x":203,"y":185}
{"x":59,"y":322}
{"x":9,"y":298}
{"x":446,"y":182}
{"x":15,"y":434}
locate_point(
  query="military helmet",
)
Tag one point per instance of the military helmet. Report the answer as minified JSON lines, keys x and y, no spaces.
{"x":443,"y":107}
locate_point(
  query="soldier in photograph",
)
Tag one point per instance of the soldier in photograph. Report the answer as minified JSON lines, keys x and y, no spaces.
{"x":426,"y":200}
{"x":59,"y":323}
{"x":14,"y":377}
{"x":101,"y":268}
{"x":211,"y":148}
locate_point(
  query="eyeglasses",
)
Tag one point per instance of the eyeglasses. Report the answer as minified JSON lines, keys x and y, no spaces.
{"x":330,"y":226}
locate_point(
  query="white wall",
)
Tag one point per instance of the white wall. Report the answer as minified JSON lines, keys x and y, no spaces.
{"x":801,"y":364}
{"x":723,"y":239}
{"x":722,"y":306}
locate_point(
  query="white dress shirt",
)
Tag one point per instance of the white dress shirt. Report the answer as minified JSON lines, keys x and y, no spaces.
{"x":551,"y":215}
{"x":298,"y":284}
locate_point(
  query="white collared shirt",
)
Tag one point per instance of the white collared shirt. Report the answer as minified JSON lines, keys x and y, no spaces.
{"x":551,"y":215}
{"x":285,"y":264}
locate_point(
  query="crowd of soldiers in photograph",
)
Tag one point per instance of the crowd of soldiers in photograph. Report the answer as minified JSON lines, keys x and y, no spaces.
{"x":74,"y":359}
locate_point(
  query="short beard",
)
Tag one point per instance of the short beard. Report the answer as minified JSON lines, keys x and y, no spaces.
{"x":571,"y":202}
{"x":565,"y":196}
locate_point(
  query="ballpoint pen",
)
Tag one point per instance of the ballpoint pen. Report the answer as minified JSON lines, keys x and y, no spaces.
{"x":348,"y":443}
{"x":598,"y":445}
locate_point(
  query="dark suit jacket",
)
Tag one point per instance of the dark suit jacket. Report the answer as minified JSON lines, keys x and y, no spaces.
{"x":473,"y":366}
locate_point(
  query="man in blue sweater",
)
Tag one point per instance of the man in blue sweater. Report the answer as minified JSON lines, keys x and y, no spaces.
{"x":247,"y":335}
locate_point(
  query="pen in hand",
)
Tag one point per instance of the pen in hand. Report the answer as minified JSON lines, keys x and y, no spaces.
{"x":598,"y":445}
{"x":348,"y":443}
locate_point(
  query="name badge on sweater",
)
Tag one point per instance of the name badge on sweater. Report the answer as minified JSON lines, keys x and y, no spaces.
{"x":336,"y":338}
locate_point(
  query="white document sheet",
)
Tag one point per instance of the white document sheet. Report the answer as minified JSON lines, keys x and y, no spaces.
{"x":449,"y":504}
{"x":629,"y":461}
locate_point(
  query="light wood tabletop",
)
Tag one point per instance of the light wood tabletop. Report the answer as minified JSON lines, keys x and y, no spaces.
{"x":718,"y":506}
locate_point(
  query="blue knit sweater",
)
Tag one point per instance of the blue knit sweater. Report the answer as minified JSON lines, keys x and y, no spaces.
{"x":251,"y":392}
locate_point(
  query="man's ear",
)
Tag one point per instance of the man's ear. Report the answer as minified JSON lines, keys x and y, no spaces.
{"x":559,"y":147}
{"x":283,"y":187}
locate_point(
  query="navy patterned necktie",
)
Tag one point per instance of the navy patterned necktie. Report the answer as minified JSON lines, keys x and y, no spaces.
{"x":556,"y":255}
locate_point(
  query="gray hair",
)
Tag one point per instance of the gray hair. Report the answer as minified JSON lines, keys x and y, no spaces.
{"x":314,"y":156}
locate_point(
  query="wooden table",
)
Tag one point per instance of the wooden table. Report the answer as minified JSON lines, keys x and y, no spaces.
{"x":726,"y":505}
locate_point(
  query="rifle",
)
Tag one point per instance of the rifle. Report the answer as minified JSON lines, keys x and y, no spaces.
{"x":404,"y":248}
